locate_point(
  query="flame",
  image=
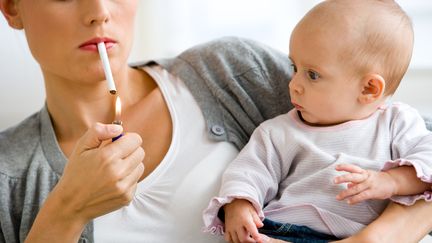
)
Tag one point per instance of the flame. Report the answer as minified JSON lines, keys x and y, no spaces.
{"x":118,"y":109}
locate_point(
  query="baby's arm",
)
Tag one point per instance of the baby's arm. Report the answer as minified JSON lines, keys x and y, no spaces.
{"x":368,"y":184}
{"x":254,"y":176}
{"x":411,"y":149}
{"x":241,"y":222}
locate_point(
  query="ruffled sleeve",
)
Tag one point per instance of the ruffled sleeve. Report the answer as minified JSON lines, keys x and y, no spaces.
{"x":254,"y":176}
{"x":213,"y":223}
{"x":411,"y":146}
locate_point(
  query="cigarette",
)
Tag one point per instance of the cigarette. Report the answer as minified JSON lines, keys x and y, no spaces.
{"x":106,"y":66}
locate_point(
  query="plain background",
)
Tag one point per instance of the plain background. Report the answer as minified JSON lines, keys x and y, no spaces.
{"x":164,"y":28}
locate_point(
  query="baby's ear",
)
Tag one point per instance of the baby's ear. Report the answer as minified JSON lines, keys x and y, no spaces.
{"x":373,"y":86}
{"x":9,"y":8}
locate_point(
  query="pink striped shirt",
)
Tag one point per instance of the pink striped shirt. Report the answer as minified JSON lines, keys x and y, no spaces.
{"x":286,"y":169}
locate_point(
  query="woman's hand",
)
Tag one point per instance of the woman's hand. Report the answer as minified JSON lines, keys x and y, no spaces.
{"x":398,"y":223}
{"x":100,"y":176}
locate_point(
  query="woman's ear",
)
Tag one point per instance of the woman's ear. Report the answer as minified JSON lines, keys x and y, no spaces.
{"x":9,"y":8}
{"x":373,"y":87}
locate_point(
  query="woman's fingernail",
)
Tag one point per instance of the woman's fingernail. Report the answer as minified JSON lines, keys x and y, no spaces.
{"x":115,"y":128}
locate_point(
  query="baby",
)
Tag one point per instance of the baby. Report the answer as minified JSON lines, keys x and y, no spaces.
{"x":341,"y":142}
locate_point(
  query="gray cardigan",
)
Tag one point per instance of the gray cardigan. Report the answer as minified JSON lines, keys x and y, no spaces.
{"x":238,"y":83}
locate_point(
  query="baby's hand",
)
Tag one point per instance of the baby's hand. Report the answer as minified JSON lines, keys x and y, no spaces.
{"x":364,"y":184}
{"x":241,"y":222}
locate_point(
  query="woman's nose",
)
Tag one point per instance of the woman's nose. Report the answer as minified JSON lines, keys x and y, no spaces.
{"x":295,"y":86}
{"x":96,"y":12}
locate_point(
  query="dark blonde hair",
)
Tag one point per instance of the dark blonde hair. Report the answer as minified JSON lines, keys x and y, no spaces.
{"x":380,"y":38}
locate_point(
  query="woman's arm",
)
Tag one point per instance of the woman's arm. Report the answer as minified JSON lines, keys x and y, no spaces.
{"x":56,"y":222}
{"x":98,"y":178}
{"x":398,"y":223}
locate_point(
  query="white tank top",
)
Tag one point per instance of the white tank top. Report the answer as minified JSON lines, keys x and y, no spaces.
{"x":169,"y":202}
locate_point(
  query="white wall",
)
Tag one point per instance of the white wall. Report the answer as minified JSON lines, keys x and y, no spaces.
{"x":415,"y":89}
{"x":21,"y":83}
{"x":166,"y":27}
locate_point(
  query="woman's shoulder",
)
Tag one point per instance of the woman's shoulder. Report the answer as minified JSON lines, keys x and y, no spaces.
{"x":237,"y":82}
{"x":25,"y":177}
{"x":238,"y":54}
{"x":17,"y":146}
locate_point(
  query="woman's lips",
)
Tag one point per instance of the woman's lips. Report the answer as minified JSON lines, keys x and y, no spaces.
{"x":93,"y":47}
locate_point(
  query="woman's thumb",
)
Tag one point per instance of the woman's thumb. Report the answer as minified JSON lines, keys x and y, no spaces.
{"x":97,"y":134}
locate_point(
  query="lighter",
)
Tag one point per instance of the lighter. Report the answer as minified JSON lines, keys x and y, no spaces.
{"x":117,"y":119}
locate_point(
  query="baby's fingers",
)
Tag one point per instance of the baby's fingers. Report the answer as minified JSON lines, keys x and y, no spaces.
{"x":362,"y":196}
{"x":257,"y":220}
{"x":234,"y":237}
{"x":352,"y":191}
{"x":227,"y":237}
{"x":251,"y":231}
{"x":349,"y":168}
{"x":351,"y":178}
{"x":245,"y":237}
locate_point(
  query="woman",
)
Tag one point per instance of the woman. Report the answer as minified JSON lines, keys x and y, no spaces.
{"x":63,"y":180}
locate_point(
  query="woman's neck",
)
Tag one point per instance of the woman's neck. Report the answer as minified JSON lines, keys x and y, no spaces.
{"x":75,"y":106}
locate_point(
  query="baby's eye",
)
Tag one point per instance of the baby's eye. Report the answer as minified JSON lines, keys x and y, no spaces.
{"x":312,"y":75}
{"x":293,"y":68}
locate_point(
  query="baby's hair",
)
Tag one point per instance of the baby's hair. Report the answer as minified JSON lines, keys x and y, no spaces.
{"x":386,"y":47}
{"x":380,"y":37}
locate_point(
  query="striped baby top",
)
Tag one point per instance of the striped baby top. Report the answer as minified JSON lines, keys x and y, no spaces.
{"x":287,"y":168}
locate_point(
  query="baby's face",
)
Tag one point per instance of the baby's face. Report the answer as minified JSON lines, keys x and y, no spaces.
{"x":323,"y":89}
